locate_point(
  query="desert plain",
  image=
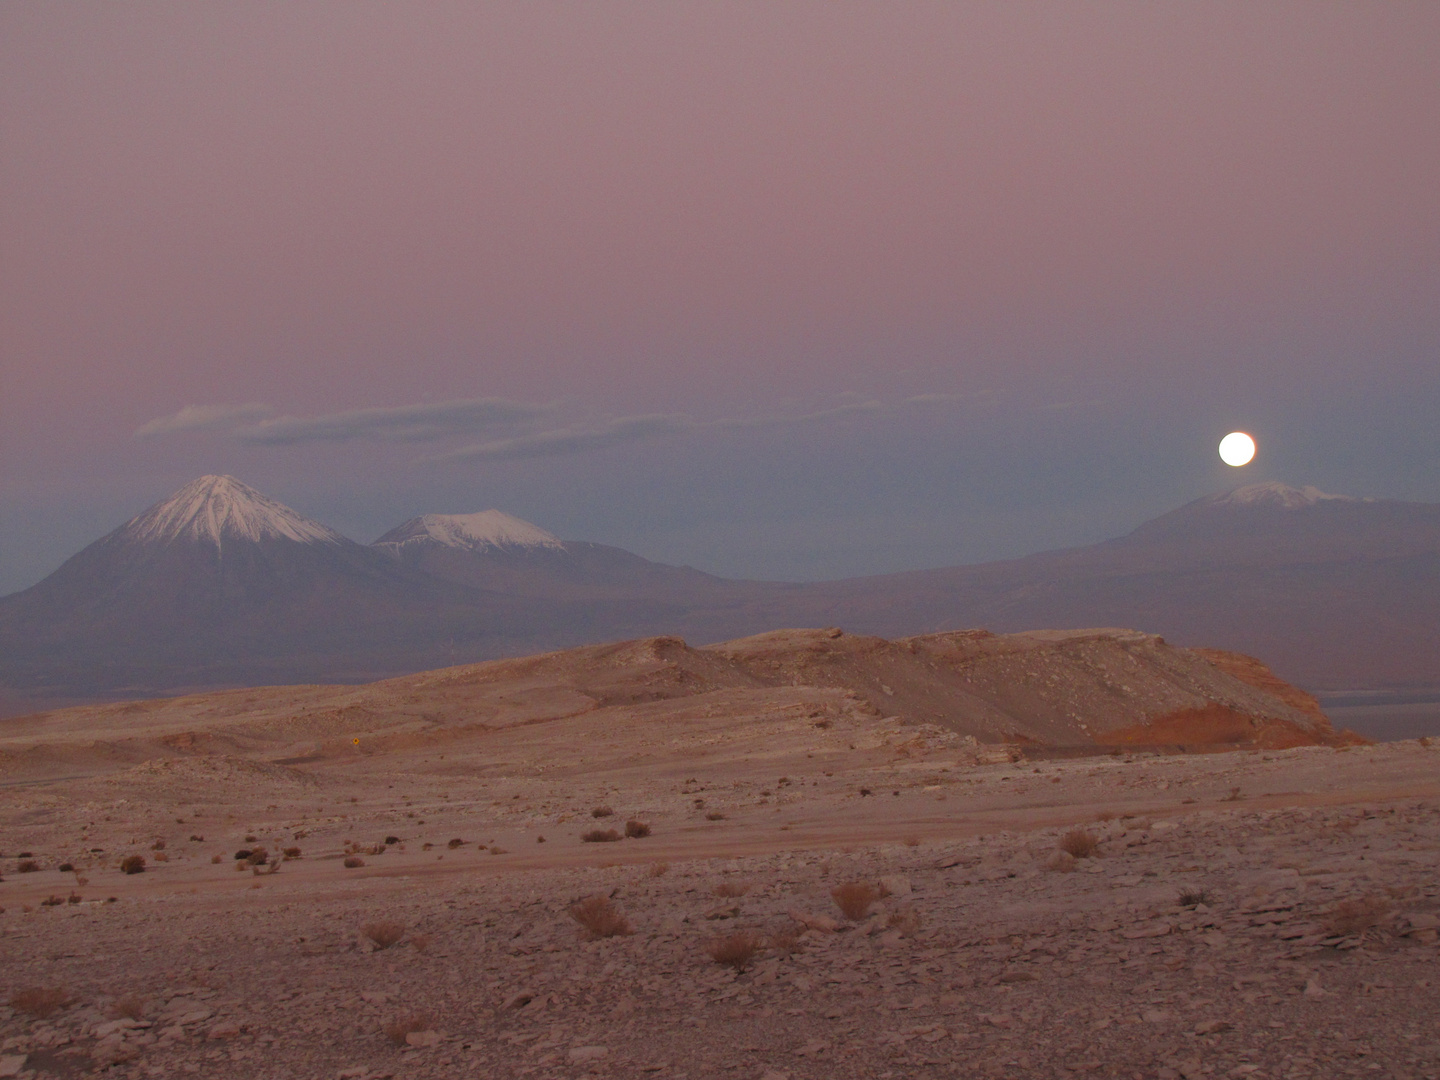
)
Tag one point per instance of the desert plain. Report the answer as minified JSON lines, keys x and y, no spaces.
{"x":801,"y":855}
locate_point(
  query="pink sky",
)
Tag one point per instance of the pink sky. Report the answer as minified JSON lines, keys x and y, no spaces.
{"x":1174,"y":219}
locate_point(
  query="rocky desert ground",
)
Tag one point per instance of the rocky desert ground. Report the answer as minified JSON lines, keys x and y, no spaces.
{"x":788,"y":857}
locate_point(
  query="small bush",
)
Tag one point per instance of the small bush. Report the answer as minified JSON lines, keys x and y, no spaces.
{"x":735,"y":951}
{"x":1192,"y":897}
{"x":131,"y":1006}
{"x":52,"y":901}
{"x":40,"y":1001}
{"x":636,"y":830}
{"x":601,"y":811}
{"x":291,"y":853}
{"x":854,"y":899}
{"x":787,"y":941}
{"x":401,"y":1026}
{"x":27,"y":866}
{"x":457,"y":842}
{"x":1351,"y":917}
{"x":600,"y":836}
{"x":1079,"y":844}
{"x":714,"y":815}
{"x":132,"y":864}
{"x":599,"y":917}
{"x":383,"y":934}
{"x":242,"y":854}
{"x":731,"y":888}
{"x":392,"y":840}
{"x":906,"y":920}
{"x":158,"y":845}
{"x":217,"y":858}
{"x":162,"y":856}
{"x":353,"y":861}
{"x":66,"y":868}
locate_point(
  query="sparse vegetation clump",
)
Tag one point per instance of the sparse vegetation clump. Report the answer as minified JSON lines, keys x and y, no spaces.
{"x":854,"y":899}
{"x":600,"y":836}
{"x":1192,"y":897}
{"x":905,"y":920}
{"x":1350,"y":918}
{"x":40,"y":1001}
{"x":714,"y":815}
{"x":27,"y":866}
{"x":736,"y":950}
{"x":636,"y":830}
{"x":383,"y":934}
{"x":353,"y":862}
{"x":599,"y":917}
{"x":455,"y":843}
{"x":401,"y":1026}
{"x":132,"y":864}
{"x":601,"y":811}
{"x":291,"y":852}
{"x":1079,"y":844}
{"x":131,"y":1006}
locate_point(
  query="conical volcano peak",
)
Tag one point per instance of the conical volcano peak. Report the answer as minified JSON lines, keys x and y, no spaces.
{"x":486,"y":529}
{"x":221,"y":508}
{"x":1275,"y":495}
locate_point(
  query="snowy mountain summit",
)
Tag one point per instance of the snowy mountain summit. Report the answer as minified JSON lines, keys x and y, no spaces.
{"x":220,"y":509}
{"x":1276,"y":496}
{"x":488,"y":529}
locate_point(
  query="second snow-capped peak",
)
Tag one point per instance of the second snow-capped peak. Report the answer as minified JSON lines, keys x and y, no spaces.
{"x":486,"y":529}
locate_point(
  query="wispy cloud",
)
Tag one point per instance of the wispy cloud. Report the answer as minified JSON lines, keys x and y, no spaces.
{"x":205,"y":418}
{"x":629,"y":429}
{"x":426,"y":422}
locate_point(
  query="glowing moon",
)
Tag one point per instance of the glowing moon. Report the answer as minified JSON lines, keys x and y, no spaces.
{"x":1237,"y":449}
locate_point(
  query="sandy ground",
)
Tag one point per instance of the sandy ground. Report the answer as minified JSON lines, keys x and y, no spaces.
{"x":1246,"y":914}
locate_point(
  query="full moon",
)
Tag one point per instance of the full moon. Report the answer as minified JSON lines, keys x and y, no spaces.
{"x":1237,"y":449}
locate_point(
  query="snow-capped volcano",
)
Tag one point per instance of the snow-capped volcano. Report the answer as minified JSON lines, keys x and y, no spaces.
{"x":1274,"y":495}
{"x":471,"y":532}
{"x":220,"y":509}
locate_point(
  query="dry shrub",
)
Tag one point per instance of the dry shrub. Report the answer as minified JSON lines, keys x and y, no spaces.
{"x":599,"y":917}
{"x":457,"y":842}
{"x":636,"y":829}
{"x":1192,"y":897}
{"x":53,"y":901}
{"x":735,"y":951}
{"x":1351,"y":917}
{"x":27,"y":866}
{"x":66,"y":868}
{"x":600,"y":836}
{"x":854,"y":899}
{"x":601,"y":811}
{"x":498,"y":850}
{"x":217,"y":858}
{"x":1079,"y":844}
{"x":132,"y":864}
{"x":787,"y":941}
{"x":657,"y":869}
{"x":158,"y":845}
{"x":353,"y":862}
{"x":131,"y":1006}
{"x":714,"y":815}
{"x":162,"y":856}
{"x":40,"y":1001}
{"x":905,"y":919}
{"x":731,"y":888}
{"x":401,"y":1026}
{"x":383,"y":934}
{"x":291,"y":852}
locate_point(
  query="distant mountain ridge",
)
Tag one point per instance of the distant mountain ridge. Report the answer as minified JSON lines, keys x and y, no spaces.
{"x":220,"y":585}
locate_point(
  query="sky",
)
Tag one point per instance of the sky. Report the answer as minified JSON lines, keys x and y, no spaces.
{"x":778,"y":290}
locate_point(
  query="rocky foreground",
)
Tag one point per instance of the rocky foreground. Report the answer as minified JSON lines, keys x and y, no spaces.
{"x":1245,"y":914}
